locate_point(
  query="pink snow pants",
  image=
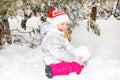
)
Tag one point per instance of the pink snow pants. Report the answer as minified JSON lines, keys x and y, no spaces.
{"x":64,"y":68}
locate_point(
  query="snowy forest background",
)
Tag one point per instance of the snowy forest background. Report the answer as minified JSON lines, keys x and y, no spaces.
{"x":78,"y":10}
{"x":94,"y":23}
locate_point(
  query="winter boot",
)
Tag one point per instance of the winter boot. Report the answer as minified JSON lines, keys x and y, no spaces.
{"x":48,"y":71}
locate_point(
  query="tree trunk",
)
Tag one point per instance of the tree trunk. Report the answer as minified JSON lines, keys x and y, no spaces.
{"x":118,"y":3}
{"x":93,"y":13}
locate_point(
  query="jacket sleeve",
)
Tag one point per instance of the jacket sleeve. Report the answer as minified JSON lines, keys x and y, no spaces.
{"x":70,"y":48}
{"x":58,"y":49}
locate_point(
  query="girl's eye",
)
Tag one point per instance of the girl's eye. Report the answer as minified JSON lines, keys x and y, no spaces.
{"x":66,"y":24}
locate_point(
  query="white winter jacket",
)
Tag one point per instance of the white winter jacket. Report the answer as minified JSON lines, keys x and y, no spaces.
{"x":56,"y":47}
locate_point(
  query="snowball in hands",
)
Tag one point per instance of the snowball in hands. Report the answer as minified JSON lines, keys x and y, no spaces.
{"x":83,"y":52}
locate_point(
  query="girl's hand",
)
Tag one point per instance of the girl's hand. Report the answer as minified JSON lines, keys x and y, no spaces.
{"x":78,"y":59}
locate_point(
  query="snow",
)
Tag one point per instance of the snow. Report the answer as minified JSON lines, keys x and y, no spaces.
{"x":22,"y":63}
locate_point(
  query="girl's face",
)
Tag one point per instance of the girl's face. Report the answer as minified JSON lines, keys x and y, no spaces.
{"x":63,"y":26}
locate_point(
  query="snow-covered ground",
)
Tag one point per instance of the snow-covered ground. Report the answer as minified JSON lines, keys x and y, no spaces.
{"x":22,"y":63}
{"x":105,"y":61}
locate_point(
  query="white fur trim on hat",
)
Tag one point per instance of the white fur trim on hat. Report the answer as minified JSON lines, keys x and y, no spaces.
{"x":60,"y":19}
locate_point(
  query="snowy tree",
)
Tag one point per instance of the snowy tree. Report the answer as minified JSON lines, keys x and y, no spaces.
{"x":118,"y":3}
{"x":91,"y":22}
{"x":77,"y":10}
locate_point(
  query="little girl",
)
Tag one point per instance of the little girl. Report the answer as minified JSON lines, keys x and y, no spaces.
{"x":61,"y":58}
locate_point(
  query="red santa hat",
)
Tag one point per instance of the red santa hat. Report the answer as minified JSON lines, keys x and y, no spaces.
{"x":58,"y":16}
